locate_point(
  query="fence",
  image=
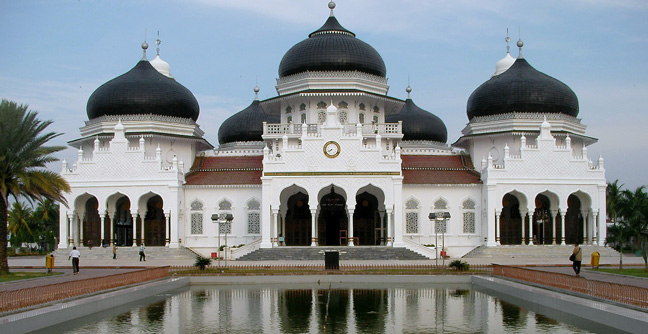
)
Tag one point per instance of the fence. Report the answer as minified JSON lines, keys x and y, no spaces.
{"x":626,"y":294}
{"x":310,"y":268}
{"x":15,"y":299}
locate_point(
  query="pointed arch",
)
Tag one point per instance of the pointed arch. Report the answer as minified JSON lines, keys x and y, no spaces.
{"x":412,"y":210}
{"x":253,"y":207}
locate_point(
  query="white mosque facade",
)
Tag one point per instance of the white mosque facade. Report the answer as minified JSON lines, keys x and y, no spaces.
{"x":332,"y":160}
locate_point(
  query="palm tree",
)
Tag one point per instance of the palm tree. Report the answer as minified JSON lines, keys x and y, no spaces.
{"x":612,"y":198}
{"x":46,"y":216}
{"x":617,"y":238}
{"x":23,"y":158}
{"x":19,"y":221}
{"x":634,"y":213}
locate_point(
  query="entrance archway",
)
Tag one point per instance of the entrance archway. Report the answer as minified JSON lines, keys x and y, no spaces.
{"x":298,"y":221}
{"x":510,"y":221}
{"x":123,"y":222}
{"x":542,"y":230}
{"x":332,"y":219}
{"x":154,"y":222}
{"x":366,"y":219}
{"x":92,"y":223}
{"x":573,"y":221}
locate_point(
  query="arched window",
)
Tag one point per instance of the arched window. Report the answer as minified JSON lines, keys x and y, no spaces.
{"x":321,"y":117}
{"x":197,"y":217}
{"x":342,"y":116}
{"x":303,"y":118}
{"x":376,"y":109}
{"x":441,"y":225}
{"x":411,"y":216}
{"x":302,"y":107}
{"x":254,"y":217}
{"x":468,"y":216}
{"x":375,"y":119}
{"x":343,"y":105}
{"x":321,"y":105}
{"x":289,"y":119}
{"x":361,"y":118}
{"x":362,"y":106}
{"x":224,"y":207}
{"x":288,"y":110}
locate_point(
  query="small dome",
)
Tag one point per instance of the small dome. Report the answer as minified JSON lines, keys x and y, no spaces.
{"x":522,"y":88}
{"x":142,"y":91}
{"x":332,"y":48}
{"x":162,"y":66}
{"x":503,"y":64}
{"x":245,"y":125}
{"x":419,"y":124}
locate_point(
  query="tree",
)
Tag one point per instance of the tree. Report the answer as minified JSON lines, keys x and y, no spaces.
{"x":612,"y":198}
{"x":46,"y":217}
{"x":23,"y":158}
{"x":20,"y":224}
{"x":617,"y":238}
{"x":633,"y":211}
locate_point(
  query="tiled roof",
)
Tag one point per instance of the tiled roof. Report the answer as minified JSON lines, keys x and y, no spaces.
{"x":439,"y":169}
{"x":225,"y":171}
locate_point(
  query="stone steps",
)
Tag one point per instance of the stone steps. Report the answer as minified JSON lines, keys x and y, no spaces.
{"x":550,"y":251}
{"x":317,"y":253}
{"x":129,"y":252}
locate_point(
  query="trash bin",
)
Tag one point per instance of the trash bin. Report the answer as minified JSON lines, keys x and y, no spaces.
{"x":214,"y":255}
{"x":332,"y":260}
{"x":596,"y":256}
{"x":49,"y":262}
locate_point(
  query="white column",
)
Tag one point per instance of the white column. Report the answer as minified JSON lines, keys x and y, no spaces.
{"x":275,"y":226}
{"x":313,"y":227}
{"x":596,"y":230}
{"x":167,"y":226}
{"x":398,"y":213}
{"x":585,"y":215}
{"x":134,"y":215}
{"x":523,"y":214}
{"x":283,"y":226}
{"x":491,"y":222}
{"x":556,"y":240}
{"x":382,"y":228}
{"x":112,"y":228}
{"x":563,"y":214}
{"x":70,"y":229}
{"x":350,"y":239}
{"x":531,"y":230}
{"x":81,"y":229}
{"x":497,"y":227}
{"x":390,"y":227}
{"x":141,"y":230}
{"x":266,"y":210}
{"x":74,"y":240}
{"x":64,"y":233}
{"x":102,"y":234}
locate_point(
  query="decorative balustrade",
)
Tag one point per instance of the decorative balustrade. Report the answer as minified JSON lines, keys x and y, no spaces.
{"x":627,"y":294}
{"x":314,"y":130}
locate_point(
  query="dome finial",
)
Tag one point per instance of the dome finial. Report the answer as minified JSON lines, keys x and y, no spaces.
{"x":256,"y":93}
{"x":520,"y":44}
{"x":158,"y":42}
{"x":507,"y":39}
{"x":331,"y":5}
{"x":144,"y":47}
{"x":408,"y":89}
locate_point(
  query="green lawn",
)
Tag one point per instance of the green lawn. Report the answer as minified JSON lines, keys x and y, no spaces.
{"x":638,"y":272}
{"x":14,"y":276}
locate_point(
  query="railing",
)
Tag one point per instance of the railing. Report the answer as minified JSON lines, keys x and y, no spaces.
{"x":319,"y":268}
{"x":15,"y":299}
{"x":294,"y":130}
{"x":626,"y":294}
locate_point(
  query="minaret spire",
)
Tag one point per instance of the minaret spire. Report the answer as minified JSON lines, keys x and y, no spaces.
{"x":331,"y":5}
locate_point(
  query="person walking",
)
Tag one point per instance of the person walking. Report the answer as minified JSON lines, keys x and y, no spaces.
{"x":141,"y":253}
{"x":577,"y":254}
{"x":114,"y":251}
{"x":75,"y":255}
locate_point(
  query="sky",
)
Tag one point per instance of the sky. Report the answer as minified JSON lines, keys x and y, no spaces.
{"x":55,"y":53}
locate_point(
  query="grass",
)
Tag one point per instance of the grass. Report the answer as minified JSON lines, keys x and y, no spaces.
{"x":15,"y":276}
{"x":636,"y":272}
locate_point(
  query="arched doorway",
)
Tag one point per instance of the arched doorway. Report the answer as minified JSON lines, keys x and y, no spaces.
{"x":573,"y":221}
{"x":91,"y":223}
{"x":332,"y":219}
{"x":154,"y":222}
{"x":510,"y":221}
{"x":366,"y":219}
{"x":298,"y":221}
{"x":542,"y":229}
{"x":123,"y":222}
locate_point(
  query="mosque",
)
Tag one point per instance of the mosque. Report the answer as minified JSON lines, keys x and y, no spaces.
{"x":333,"y":160}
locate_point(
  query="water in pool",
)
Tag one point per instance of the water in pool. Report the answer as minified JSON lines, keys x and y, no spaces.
{"x":320,"y":308}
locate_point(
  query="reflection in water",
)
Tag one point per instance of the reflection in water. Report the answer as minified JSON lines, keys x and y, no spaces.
{"x":313,"y":308}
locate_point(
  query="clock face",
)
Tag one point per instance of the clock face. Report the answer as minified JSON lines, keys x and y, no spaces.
{"x":331,"y":149}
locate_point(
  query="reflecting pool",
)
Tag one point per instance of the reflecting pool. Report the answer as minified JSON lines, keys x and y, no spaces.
{"x":315,"y":308}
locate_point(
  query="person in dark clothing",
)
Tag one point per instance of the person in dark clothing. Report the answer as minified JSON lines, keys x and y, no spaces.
{"x":578,"y":258}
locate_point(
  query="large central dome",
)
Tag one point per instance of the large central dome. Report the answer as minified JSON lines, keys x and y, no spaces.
{"x":332,"y":48}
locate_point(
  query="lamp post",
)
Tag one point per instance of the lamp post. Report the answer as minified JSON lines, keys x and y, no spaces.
{"x":439,"y":217}
{"x":219,"y":219}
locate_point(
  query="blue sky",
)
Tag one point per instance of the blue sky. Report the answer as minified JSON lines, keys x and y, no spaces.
{"x":55,"y":53}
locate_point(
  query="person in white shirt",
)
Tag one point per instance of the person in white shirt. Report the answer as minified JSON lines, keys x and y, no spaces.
{"x":75,"y":255}
{"x":141,"y":253}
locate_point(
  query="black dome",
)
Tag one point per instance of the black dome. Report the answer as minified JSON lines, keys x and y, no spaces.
{"x":141,"y":91}
{"x":522,"y":88}
{"x":245,"y":125}
{"x":419,"y":124}
{"x":332,"y":48}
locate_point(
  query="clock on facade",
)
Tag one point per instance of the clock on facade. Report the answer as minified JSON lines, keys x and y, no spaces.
{"x":331,"y":149}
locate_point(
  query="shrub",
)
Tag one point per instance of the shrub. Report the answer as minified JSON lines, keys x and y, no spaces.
{"x":459,"y":265}
{"x":202,"y":262}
